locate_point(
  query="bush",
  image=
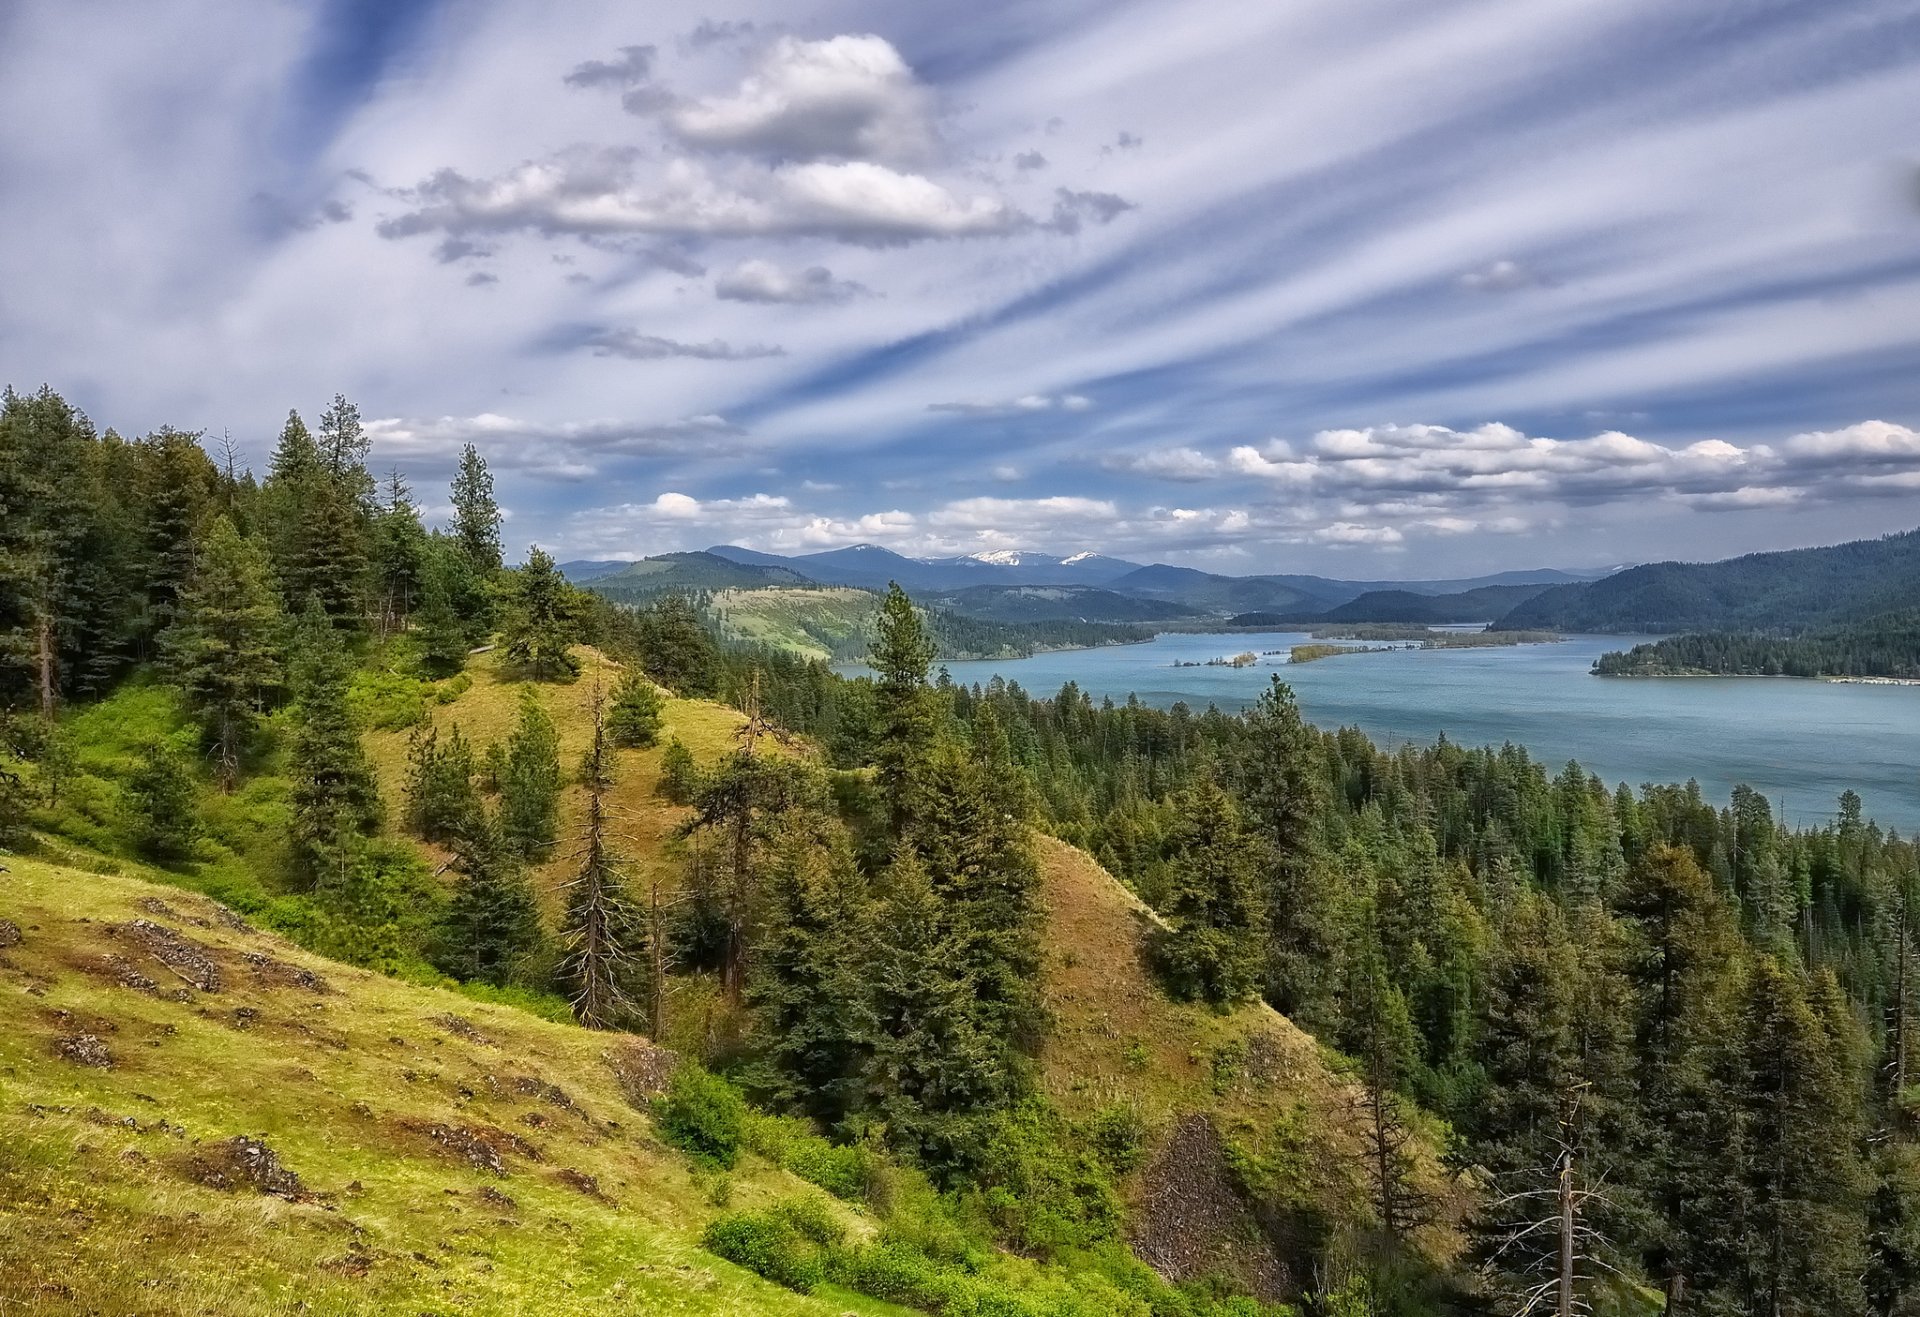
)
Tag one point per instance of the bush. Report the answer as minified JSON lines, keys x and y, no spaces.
{"x":848,"y":1172}
{"x":769,"y":1245}
{"x":813,"y":1219}
{"x":679,"y":776}
{"x":702,"y":1115}
{"x":1116,"y":1133}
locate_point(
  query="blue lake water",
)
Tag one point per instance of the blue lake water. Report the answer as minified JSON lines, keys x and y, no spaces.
{"x":1800,"y":742}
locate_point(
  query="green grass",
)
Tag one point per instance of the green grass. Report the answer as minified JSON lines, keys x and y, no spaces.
{"x":816,"y":624}
{"x":103,"y":1216}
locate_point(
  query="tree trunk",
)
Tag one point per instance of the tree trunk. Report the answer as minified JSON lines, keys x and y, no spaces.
{"x":1567,"y":1253}
{"x":44,"y":650}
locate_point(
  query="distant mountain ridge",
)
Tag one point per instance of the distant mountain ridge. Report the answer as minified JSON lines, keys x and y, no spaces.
{"x":1788,"y":590}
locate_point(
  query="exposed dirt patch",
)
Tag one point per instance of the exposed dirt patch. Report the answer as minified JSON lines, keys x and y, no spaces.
{"x":581,"y":1182}
{"x":84,"y":1049}
{"x":187,"y":959}
{"x":231,"y":920}
{"x":9,"y":934}
{"x":271,"y":973}
{"x":642,"y":1071}
{"x":461,"y":1027}
{"x":494,"y":1198}
{"x":244,"y":1163}
{"x":483,"y":1147}
{"x":1193,"y":1222}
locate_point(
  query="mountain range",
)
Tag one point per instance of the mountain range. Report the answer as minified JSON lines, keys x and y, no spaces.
{"x":1023,"y":584}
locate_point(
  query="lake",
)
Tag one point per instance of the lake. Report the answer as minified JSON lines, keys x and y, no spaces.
{"x":1800,"y":742}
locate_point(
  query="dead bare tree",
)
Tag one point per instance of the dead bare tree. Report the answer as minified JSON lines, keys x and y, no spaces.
{"x":1549,"y":1252}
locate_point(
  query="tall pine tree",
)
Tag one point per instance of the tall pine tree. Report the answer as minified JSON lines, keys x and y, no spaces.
{"x":224,"y":643}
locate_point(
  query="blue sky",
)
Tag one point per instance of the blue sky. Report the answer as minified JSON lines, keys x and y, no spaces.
{"x":1367,"y":287}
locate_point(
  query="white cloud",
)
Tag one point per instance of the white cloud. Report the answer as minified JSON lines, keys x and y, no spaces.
{"x":635,"y":346}
{"x":845,"y":98}
{"x":1026,"y":404}
{"x":1166,"y":463}
{"x":1501,"y":276}
{"x":571,"y":450}
{"x":763,"y":281}
{"x":606,"y":191}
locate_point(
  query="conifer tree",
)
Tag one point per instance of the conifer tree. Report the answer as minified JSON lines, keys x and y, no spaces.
{"x":1285,"y":794}
{"x":476,"y":516}
{"x":47,"y":511}
{"x":335,"y":798}
{"x":1802,"y":1235}
{"x":540,"y":623}
{"x":676,"y":650}
{"x":491,"y":931}
{"x":343,"y":447}
{"x":602,"y":929}
{"x":1211,"y":950}
{"x":319,"y":549}
{"x":442,"y":804}
{"x":931,"y":1067}
{"x":901,"y":654}
{"x":224,"y":644}
{"x":173,"y":486}
{"x":809,"y":990}
{"x":1379,"y":1033}
{"x":165,"y":814}
{"x":399,"y":556}
{"x":679,"y":775}
{"x":635,"y":718}
{"x":444,"y":635}
{"x":530,"y":782}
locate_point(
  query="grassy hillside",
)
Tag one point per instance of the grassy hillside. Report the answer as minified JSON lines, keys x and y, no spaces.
{"x":430,"y":1154}
{"x":824,"y":623}
{"x":443,"y":1144}
{"x":683,"y":572}
{"x":1231,"y":1101}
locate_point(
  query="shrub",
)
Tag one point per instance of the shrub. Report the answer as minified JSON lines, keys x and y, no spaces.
{"x":635,"y":717}
{"x":813,"y":1219}
{"x":1116,"y":1133}
{"x":679,"y":776}
{"x":848,"y":1172}
{"x":702,"y":1115}
{"x":769,"y":1245}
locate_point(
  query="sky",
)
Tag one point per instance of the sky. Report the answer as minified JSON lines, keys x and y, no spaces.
{"x":1380,"y":288}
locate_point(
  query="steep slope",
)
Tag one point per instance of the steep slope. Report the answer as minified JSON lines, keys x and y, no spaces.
{"x":202,"y":1118}
{"x":1222,"y":1095}
{"x":1773,"y":591}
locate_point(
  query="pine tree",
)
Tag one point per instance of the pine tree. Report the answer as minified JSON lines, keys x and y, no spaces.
{"x":1802,"y":1237}
{"x":445,"y":637}
{"x":602,"y":929}
{"x":676,"y":650}
{"x":809,"y":990}
{"x":530,"y":783}
{"x":540,"y":623}
{"x":442,"y":804}
{"x":399,"y":556}
{"x":635,"y":718}
{"x":931,"y":1067}
{"x":476,"y":516}
{"x":679,"y":775}
{"x":319,"y":549}
{"x":491,"y":931}
{"x":343,"y":446}
{"x":336,"y":800}
{"x":1211,"y":950}
{"x":223,"y":645}
{"x":901,"y":654}
{"x":48,"y":511}
{"x":1283,"y":787}
{"x":164,"y":812}
{"x":977,"y":851}
{"x":1379,"y":1033}
{"x":174,"y":484}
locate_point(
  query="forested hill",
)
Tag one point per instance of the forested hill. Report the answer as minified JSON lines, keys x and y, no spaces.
{"x":1787,"y":591}
{"x":1887,"y":646}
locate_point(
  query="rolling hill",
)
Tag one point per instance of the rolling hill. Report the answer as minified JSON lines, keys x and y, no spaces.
{"x":1047,"y":603}
{"x":1785,"y":591}
{"x":203,"y":1117}
{"x":690,"y":572}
